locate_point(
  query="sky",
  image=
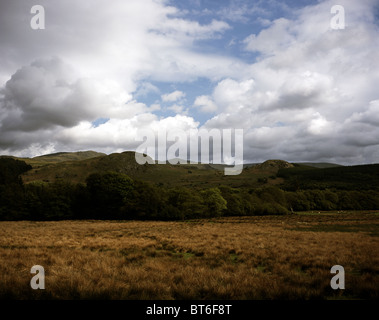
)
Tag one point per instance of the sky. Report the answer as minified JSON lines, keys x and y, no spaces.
{"x":300,"y":89}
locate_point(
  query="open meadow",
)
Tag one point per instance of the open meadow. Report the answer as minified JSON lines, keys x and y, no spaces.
{"x":258,"y":257}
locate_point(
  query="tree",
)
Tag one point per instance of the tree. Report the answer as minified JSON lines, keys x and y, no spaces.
{"x":239,"y":202}
{"x":214,"y":201}
{"x":10,"y":170}
{"x":108,"y":193}
{"x":297,"y":201}
{"x":144,"y":201}
{"x":12,"y":205}
{"x":185,"y":203}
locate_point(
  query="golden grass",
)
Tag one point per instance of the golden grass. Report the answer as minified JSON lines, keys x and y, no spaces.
{"x":276,"y":257}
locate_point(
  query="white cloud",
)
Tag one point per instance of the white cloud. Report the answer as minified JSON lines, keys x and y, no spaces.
{"x":308,"y":91}
{"x":44,"y":94}
{"x":120,"y":134}
{"x":319,"y":125}
{"x":231,"y":95}
{"x":180,"y":28}
{"x":126,"y":41}
{"x":42,"y":98}
{"x":155,"y":107}
{"x":273,"y":39}
{"x":179,"y":109}
{"x":112,"y":53}
{"x":173,"y":96}
{"x":369,"y":116}
{"x":146,"y":88}
{"x":313,"y":90}
{"x":205,"y":103}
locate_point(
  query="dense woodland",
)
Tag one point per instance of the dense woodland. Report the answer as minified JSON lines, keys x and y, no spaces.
{"x":116,"y":196}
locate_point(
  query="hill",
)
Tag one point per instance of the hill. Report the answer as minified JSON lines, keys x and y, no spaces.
{"x":360,"y":177}
{"x":115,"y":186}
{"x":273,"y":165}
{"x":68,"y":156}
{"x":69,"y":167}
{"x":321,"y":165}
{"x":61,"y":157}
{"x":75,"y":167}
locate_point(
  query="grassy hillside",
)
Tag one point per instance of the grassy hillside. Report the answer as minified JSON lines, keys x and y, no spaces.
{"x":61,"y":157}
{"x":361,"y":177}
{"x":76,"y":167}
{"x":190,"y":175}
{"x":66,"y":167}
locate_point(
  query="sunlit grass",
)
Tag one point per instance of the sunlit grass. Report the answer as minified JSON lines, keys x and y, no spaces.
{"x":273,"y":257}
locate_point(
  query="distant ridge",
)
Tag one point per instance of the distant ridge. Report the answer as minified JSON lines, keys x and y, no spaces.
{"x":321,"y":165}
{"x":60,"y":157}
{"x":68,"y":156}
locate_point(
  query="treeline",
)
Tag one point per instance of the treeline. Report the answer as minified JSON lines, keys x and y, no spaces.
{"x":362,"y":177}
{"x":11,"y":187}
{"x":117,"y":196}
{"x":10,"y":170}
{"x":108,"y":196}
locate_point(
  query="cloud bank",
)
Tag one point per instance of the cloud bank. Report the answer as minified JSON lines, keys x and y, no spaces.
{"x":300,"y":90}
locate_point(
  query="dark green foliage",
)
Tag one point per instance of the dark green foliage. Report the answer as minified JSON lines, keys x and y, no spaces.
{"x":262,"y":180}
{"x":10,"y":169}
{"x":272,"y":201}
{"x":184,"y":203}
{"x":298,"y":201}
{"x":114,"y":195}
{"x":364,"y":177}
{"x":50,"y":202}
{"x":144,"y":201}
{"x":108,"y":193}
{"x":214,"y":202}
{"x":238,"y":202}
{"x":11,"y":189}
{"x":12,"y":202}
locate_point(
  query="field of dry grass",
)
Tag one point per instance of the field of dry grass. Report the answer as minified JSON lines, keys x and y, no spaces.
{"x":272,"y":257}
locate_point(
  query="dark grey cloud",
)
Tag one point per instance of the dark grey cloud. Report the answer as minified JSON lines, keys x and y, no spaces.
{"x":41,"y":96}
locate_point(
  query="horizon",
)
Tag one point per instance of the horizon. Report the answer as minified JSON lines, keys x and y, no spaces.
{"x":167,"y":162}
